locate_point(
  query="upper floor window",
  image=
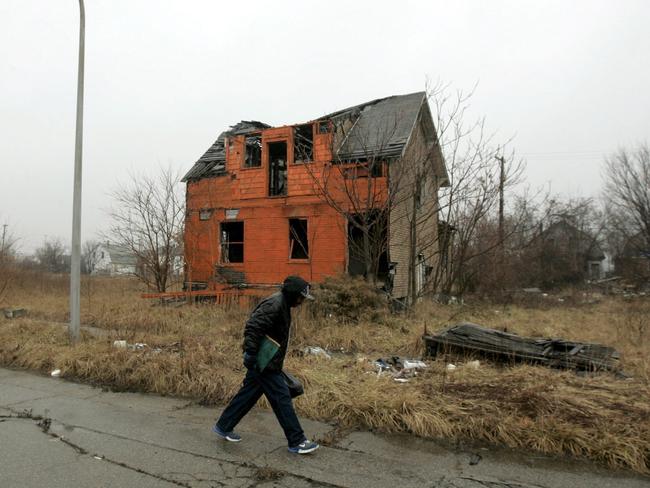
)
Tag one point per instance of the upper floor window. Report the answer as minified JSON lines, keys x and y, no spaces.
{"x":303,"y":143}
{"x":277,"y":168}
{"x":324,"y":126}
{"x":253,"y":155}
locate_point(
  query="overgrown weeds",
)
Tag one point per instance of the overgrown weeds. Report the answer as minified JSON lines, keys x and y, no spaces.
{"x":195,"y":351}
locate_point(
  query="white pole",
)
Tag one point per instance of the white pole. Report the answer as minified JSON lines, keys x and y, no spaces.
{"x":75,"y":265}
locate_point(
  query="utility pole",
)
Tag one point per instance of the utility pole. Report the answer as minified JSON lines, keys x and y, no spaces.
{"x":75,"y":265}
{"x":502,"y":182}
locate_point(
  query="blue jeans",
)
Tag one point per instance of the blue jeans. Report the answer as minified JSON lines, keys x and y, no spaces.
{"x":273,"y":386}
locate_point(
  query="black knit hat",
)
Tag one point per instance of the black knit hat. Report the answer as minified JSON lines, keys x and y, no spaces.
{"x":294,"y":286}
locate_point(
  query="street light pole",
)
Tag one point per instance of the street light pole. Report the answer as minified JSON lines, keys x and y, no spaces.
{"x":75,"y":265}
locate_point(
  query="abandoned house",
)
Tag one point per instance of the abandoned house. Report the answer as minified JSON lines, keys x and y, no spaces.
{"x":568,"y":254}
{"x":266,"y":202}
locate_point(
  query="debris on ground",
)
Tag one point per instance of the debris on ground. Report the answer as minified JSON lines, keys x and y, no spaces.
{"x":401,"y":369}
{"x":56,"y":373}
{"x":501,"y":346}
{"x":14,"y":313}
{"x":138,"y":346}
{"x":316,"y":351}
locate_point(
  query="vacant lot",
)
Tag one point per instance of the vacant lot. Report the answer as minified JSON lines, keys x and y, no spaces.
{"x":194,"y":351}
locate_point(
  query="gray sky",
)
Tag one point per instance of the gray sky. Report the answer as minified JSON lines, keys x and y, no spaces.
{"x":568,"y":79}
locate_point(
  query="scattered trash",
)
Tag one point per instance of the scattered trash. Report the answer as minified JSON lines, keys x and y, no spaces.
{"x":467,"y":338}
{"x":401,"y":369}
{"x":531,"y":290}
{"x":317,"y":351}
{"x":451,"y":367}
{"x":56,"y":373}
{"x":138,"y":346}
{"x":13,"y":313}
{"x":98,"y":457}
{"x":413,"y":363}
{"x":382,"y":365}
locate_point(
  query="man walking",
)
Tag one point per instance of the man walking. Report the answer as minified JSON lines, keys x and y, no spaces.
{"x":272,"y":318}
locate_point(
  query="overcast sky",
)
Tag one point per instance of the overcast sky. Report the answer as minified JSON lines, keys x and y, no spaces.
{"x":569,"y":80}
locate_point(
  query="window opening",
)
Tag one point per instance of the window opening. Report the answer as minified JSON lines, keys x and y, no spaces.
{"x":232,"y":242}
{"x":303,"y":143}
{"x":363,"y":169}
{"x":205,"y":214}
{"x":298,"y":240}
{"x":253,"y":157}
{"x":277,"y":168}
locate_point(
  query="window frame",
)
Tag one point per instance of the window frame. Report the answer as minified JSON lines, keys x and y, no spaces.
{"x":261,"y":151}
{"x":226,"y":245}
{"x":294,"y":238}
{"x":297,"y":160}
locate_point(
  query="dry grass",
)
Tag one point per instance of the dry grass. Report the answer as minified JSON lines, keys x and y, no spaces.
{"x":600,"y":417}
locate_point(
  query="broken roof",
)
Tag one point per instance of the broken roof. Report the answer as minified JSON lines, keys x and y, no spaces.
{"x":213,"y":161}
{"x":379,"y":128}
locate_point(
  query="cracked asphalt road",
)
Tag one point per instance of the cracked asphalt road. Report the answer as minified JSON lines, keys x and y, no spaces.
{"x":54,"y":433}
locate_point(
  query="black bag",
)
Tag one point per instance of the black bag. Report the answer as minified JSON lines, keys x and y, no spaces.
{"x":294,"y":384}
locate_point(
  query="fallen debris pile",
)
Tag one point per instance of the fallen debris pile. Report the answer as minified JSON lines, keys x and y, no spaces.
{"x":504,"y":346}
{"x":401,"y":369}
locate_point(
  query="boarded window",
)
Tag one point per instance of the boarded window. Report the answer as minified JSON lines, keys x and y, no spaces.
{"x":253,"y":157}
{"x":232,"y":242}
{"x":303,"y":143}
{"x":298,"y":241}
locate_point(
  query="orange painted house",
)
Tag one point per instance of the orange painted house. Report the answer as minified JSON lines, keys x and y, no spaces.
{"x":256,"y":204}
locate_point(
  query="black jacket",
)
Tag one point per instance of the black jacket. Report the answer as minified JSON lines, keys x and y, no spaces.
{"x":271,"y":317}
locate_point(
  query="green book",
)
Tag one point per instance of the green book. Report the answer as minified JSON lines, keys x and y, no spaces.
{"x":268,"y":349}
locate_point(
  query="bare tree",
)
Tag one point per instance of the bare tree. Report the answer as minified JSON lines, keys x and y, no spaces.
{"x":147,"y":219}
{"x":8,"y":244}
{"x":357,"y":187}
{"x":627,"y":194}
{"x":474,"y":200}
{"x":51,"y":256}
{"x":89,"y":258}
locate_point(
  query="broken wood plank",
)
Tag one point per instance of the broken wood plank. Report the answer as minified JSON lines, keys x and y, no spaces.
{"x":504,"y":346}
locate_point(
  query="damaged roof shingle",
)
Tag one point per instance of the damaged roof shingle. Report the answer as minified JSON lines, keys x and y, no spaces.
{"x":213,"y":161}
{"x":379,"y":128}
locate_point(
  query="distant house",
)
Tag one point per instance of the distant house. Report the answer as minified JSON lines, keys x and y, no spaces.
{"x":568,"y":254}
{"x":114,"y":260}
